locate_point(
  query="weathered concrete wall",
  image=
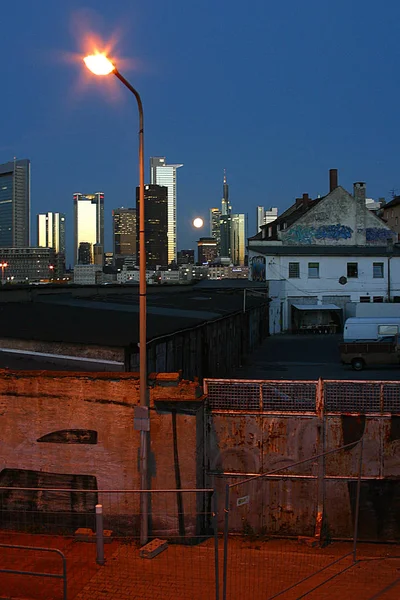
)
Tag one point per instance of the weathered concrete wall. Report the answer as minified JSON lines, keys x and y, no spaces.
{"x":88,"y":421}
{"x":338,"y":219}
{"x":214,"y":349}
{"x":244,"y":438}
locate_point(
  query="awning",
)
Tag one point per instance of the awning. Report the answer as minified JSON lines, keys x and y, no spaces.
{"x":316,"y":307}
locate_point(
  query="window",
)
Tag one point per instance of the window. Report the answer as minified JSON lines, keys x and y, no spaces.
{"x":396,"y":220}
{"x":388,"y":329}
{"x":313,"y":270}
{"x":352,"y":270}
{"x":365,"y":299}
{"x":294,"y":270}
{"x":377,"y":270}
{"x":378,"y":299}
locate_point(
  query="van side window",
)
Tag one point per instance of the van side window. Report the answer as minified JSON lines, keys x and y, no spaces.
{"x":388,"y":329}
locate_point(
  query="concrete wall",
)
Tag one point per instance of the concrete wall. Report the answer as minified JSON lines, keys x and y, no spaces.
{"x":244,"y":438}
{"x":213,"y":349}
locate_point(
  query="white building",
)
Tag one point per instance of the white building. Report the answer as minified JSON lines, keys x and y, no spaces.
{"x":265,"y":216}
{"x":165,"y":175}
{"x":88,"y":274}
{"x":320,"y":255}
{"x":170,"y":276}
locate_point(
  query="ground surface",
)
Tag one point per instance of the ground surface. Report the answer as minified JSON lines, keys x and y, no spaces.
{"x":306,"y":357}
{"x":256,"y":569}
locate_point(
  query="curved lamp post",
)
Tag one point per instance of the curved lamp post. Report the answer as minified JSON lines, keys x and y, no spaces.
{"x":99,"y":64}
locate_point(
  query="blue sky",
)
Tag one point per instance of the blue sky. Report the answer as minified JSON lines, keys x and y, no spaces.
{"x":275,"y":92}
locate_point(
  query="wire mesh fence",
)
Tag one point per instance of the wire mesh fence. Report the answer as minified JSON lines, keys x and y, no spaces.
{"x":99,"y":533}
{"x":264,"y":555}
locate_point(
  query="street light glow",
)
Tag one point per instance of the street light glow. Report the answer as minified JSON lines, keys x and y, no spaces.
{"x":99,"y":64}
{"x":198,"y":222}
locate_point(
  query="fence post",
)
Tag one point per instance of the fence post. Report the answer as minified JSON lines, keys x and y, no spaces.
{"x":320,"y":411}
{"x":226,"y":527}
{"x":214,"y":509}
{"x":357,"y":510}
{"x":99,"y":535}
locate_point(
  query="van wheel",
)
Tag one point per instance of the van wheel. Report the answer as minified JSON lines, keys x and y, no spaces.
{"x":357,"y":364}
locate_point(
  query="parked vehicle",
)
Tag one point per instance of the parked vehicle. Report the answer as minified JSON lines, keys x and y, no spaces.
{"x":362,"y":354}
{"x":370,"y":328}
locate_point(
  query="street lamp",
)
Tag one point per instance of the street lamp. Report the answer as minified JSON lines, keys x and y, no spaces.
{"x":99,"y":64}
{"x":3,"y":266}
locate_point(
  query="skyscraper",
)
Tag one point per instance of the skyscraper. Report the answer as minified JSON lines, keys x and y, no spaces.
{"x":225,"y":221}
{"x":15,"y":203}
{"x":124,"y":231}
{"x":88,"y":221}
{"x":206,"y":250}
{"x":265,"y":216}
{"x":156,"y":225}
{"x":215,"y":225}
{"x":51,"y":231}
{"x":165,"y":175}
{"x":238,"y":238}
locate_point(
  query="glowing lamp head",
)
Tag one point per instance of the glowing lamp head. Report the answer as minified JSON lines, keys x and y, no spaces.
{"x":198,"y":222}
{"x":99,"y":64}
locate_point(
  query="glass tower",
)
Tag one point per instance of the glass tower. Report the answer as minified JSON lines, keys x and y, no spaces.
{"x":15,"y":203}
{"x":88,"y":221}
{"x":51,"y":231}
{"x":238,"y":238}
{"x":165,"y":175}
{"x":156,"y":225}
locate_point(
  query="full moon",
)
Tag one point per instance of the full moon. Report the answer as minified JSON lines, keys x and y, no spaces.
{"x":198,"y":223}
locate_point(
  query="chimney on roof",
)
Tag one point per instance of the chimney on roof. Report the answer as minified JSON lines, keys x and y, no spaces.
{"x":303,"y":201}
{"x":360,"y":191}
{"x":333,"y":179}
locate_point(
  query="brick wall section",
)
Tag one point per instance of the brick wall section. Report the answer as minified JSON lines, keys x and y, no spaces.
{"x":33,"y":404}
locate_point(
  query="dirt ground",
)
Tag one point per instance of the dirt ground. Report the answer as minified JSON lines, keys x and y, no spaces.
{"x":283,"y":569}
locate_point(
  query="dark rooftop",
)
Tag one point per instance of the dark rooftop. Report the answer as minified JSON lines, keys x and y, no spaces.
{"x":113,"y":319}
{"x":321,"y":250}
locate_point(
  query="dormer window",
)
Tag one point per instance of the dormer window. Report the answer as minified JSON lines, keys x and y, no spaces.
{"x":269,"y":231}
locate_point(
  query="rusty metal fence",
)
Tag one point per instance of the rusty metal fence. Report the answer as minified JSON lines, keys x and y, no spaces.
{"x":98,"y":531}
{"x":328,"y":395}
{"x":263,"y":555}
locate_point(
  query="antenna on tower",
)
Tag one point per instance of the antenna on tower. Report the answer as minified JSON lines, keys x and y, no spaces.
{"x":224,"y":175}
{"x":393,"y":192}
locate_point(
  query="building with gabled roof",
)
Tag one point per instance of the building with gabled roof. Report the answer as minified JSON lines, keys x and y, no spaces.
{"x":325,"y":253}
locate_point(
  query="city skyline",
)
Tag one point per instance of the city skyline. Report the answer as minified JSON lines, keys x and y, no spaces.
{"x":290,"y":139}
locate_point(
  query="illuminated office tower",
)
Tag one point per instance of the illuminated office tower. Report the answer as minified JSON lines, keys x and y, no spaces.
{"x":15,"y":203}
{"x":124,"y":231}
{"x":215,"y":225}
{"x":238,"y":238}
{"x":51,"y":231}
{"x":165,"y":175}
{"x":88,"y":222}
{"x":225,"y":222}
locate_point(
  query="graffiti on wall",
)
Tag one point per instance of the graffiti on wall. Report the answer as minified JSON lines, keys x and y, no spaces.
{"x":304,"y":234}
{"x":258,"y":268}
{"x":377,"y":234}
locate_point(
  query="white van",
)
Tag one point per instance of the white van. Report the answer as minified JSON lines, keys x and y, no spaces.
{"x":370,"y":328}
